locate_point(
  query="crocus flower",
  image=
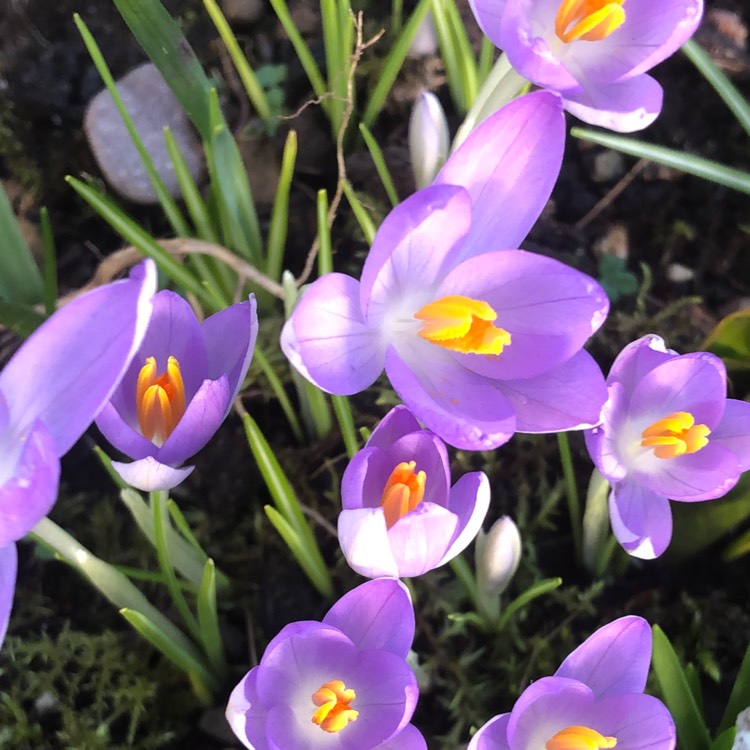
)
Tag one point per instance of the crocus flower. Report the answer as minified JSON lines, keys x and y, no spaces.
{"x":478,"y":340}
{"x":429,"y":138}
{"x":341,"y":683}
{"x":50,"y":392}
{"x":594,"y":701}
{"x":594,"y":53}
{"x":178,"y":389}
{"x":400,"y":515}
{"x":668,"y":431}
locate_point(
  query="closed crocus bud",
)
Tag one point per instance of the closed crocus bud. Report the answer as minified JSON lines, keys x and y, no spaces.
{"x":425,"y":41}
{"x":498,"y":553}
{"x":429,"y":139}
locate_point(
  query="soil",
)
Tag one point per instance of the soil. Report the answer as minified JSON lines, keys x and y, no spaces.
{"x":689,"y":236}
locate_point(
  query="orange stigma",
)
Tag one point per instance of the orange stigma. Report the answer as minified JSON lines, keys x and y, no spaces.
{"x":463,"y":325}
{"x":580,"y":738}
{"x":675,"y":435}
{"x":403,"y":492}
{"x":160,"y":400}
{"x":589,"y":20}
{"x":333,"y":700}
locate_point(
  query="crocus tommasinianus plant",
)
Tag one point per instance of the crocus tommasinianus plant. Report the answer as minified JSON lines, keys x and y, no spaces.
{"x":478,"y":340}
{"x":178,"y":389}
{"x":400,"y":515}
{"x":342,"y":683}
{"x":594,"y":53}
{"x":50,"y":392}
{"x":668,"y":431}
{"x":594,"y":701}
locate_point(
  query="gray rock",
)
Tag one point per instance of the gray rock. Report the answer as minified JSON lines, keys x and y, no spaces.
{"x":153,"y":106}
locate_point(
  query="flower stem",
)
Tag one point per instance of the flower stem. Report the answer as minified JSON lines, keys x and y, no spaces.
{"x":571,"y":491}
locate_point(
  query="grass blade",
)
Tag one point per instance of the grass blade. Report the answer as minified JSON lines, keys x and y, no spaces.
{"x":382,"y":168}
{"x":366,"y":224}
{"x":739,"y":698}
{"x":50,"y":262}
{"x":208,"y":619}
{"x":277,"y":230}
{"x":325,"y":251}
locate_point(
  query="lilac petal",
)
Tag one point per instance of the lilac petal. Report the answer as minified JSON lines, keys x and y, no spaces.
{"x":364,"y":479}
{"x":245,"y":715}
{"x":8,"y":570}
{"x":637,"y":359}
{"x":639,"y":722}
{"x":569,"y":397}
{"x":549,"y":309}
{"x":493,"y":735}
{"x":509,"y":166}
{"x":419,"y":541}
{"x":31,"y":490}
{"x":623,"y":106}
{"x":337,"y":349}
{"x":121,"y":435}
{"x":431,"y":456}
{"x":364,"y":541}
{"x":398,"y":422}
{"x":229,"y":336}
{"x":409,"y":738}
{"x":602,"y":441}
{"x":376,"y":615}
{"x":77,"y":357}
{"x":470,"y":501}
{"x":614,"y":660}
{"x":203,"y":416}
{"x":488,"y":14}
{"x":463,"y":408}
{"x":733,"y":432}
{"x":148,"y":474}
{"x":641,"y":520}
{"x":413,"y":246}
{"x":301,"y":628}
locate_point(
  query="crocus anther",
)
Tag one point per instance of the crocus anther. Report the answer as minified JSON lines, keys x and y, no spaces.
{"x":160,"y":400}
{"x":675,"y":435}
{"x":403,"y":492}
{"x":463,"y":325}
{"x":589,"y":20}
{"x":580,"y":738}
{"x":334,"y":713}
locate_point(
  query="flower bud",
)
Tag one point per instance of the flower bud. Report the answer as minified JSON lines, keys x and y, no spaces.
{"x":429,"y":139}
{"x":497,"y":553}
{"x":425,"y":41}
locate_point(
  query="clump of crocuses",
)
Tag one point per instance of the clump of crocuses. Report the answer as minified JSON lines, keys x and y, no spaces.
{"x":400,"y":515}
{"x":594,"y":701}
{"x":178,"y":389}
{"x":594,"y":53}
{"x":668,"y":431}
{"x":341,"y":683}
{"x":50,"y":392}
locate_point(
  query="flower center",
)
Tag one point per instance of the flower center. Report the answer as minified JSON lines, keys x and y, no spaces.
{"x":463,"y":325}
{"x":160,"y":400}
{"x":675,"y":435}
{"x":579,"y":738}
{"x":403,"y":492}
{"x":589,"y":20}
{"x":333,"y":700}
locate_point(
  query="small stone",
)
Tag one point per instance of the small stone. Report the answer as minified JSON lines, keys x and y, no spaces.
{"x":608,"y":166}
{"x":153,"y":106}
{"x":679,"y":274}
{"x":615,"y":242}
{"x":242,"y":11}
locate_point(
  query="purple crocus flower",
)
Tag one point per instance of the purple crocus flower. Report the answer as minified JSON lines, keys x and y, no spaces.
{"x":400,"y":515}
{"x":594,"y":701}
{"x":668,"y":431}
{"x":594,"y":53}
{"x":477,"y":340}
{"x":341,"y":683}
{"x":178,"y":389}
{"x":50,"y":392}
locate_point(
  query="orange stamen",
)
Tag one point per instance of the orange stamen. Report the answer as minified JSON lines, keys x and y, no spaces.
{"x":580,"y":738}
{"x":160,"y":400}
{"x":403,"y":492}
{"x":589,"y":20}
{"x":675,"y":435}
{"x":333,"y":700}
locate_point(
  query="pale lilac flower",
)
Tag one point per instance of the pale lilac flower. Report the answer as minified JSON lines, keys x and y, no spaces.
{"x":668,"y":431}
{"x":50,"y":392}
{"x":400,"y":515}
{"x":178,"y":389}
{"x":594,"y":53}
{"x":342,"y":683}
{"x":594,"y":701}
{"x":478,"y":340}
{"x":429,"y":138}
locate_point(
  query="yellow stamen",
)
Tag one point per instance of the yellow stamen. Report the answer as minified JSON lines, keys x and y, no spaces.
{"x":334,"y":712}
{"x":580,"y":738}
{"x":463,"y":325}
{"x":403,"y":492}
{"x":675,"y":435}
{"x":160,"y":400}
{"x":589,"y":20}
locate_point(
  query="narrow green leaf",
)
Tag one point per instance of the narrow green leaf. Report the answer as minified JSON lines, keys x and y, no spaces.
{"x":346,"y":423}
{"x":325,"y":250}
{"x":19,"y":318}
{"x":49,"y":266}
{"x":277,"y":229}
{"x":337,"y":73}
{"x":692,"y":733}
{"x":363,"y":218}
{"x":739,"y":698}
{"x":694,"y":683}
{"x":280,"y":392}
{"x":730,"y":340}
{"x":725,"y":741}
{"x":535,"y":591}
{"x":208,"y":620}
{"x":382,"y":168}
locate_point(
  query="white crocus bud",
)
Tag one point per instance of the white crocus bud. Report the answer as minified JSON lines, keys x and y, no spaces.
{"x":497,"y":553}
{"x":429,"y":139}
{"x":425,"y":41}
